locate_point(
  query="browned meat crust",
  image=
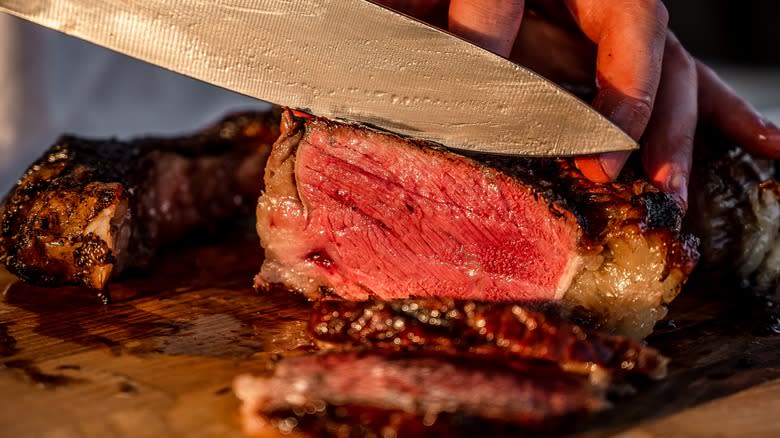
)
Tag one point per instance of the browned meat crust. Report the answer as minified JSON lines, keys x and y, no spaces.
{"x":502,"y":331}
{"x":735,"y":210}
{"x":87,"y":209}
{"x":372,"y":394}
{"x":361,"y":213}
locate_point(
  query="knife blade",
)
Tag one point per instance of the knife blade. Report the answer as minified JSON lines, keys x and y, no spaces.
{"x":344,"y":59}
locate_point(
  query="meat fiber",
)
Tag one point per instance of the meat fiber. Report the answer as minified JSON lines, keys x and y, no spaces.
{"x":88,"y":209}
{"x":359,"y":213}
{"x":501,"y":331}
{"x":370,"y":394}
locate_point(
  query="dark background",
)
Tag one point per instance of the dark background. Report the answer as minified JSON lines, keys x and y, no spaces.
{"x":731,"y":31}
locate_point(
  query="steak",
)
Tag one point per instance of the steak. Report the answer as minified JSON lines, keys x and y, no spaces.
{"x":88,"y":209}
{"x":736,"y":213}
{"x":360,"y":394}
{"x":504,"y":332}
{"x":362,"y":214}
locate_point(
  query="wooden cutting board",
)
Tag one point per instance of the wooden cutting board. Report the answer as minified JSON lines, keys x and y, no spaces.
{"x":160,"y":360}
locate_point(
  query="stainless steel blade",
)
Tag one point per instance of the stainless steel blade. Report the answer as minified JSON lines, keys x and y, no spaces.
{"x":345,"y":59}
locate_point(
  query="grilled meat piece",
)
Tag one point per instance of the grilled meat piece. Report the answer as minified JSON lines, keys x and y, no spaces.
{"x":359,"y":213}
{"x":88,"y":209}
{"x":735,"y":210}
{"x":502,"y":331}
{"x":370,"y":394}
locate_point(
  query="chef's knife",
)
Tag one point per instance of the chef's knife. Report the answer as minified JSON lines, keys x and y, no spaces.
{"x":344,"y":59}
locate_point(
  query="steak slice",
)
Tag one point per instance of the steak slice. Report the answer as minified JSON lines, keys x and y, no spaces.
{"x":502,"y":331}
{"x":88,"y":209}
{"x":371,"y":394}
{"x":351,"y":211}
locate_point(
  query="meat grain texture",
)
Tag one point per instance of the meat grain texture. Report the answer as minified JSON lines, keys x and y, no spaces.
{"x":351,"y":211}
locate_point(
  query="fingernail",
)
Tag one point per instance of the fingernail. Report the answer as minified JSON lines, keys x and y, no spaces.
{"x":768,"y":126}
{"x":612,"y":163}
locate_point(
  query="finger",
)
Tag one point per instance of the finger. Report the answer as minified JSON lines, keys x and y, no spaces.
{"x":630,"y":35}
{"x":561,"y":55}
{"x":421,"y":9}
{"x":555,"y":11}
{"x":720,"y":107}
{"x":491,"y":24}
{"x":667,"y":148}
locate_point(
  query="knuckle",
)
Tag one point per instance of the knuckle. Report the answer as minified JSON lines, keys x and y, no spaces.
{"x":643,"y":104}
{"x":676,"y":55}
{"x":653,"y":12}
{"x":661,"y":14}
{"x":639,"y":97}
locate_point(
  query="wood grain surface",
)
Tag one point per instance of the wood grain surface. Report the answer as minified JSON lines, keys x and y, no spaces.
{"x":160,"y":360}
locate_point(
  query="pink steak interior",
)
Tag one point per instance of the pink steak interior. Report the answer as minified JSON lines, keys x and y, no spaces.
{"x":393,"y":219}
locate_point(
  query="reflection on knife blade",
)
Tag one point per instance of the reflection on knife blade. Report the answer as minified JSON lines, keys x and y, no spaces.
{"x":355,"y":61}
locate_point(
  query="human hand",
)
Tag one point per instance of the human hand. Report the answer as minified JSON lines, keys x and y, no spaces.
{"x":646,"y":82}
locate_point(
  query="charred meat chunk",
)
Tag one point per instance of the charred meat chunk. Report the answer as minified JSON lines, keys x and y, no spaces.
{"x":88,"y":209}
{"x":501,"y":331}
{"x":735,"y":211}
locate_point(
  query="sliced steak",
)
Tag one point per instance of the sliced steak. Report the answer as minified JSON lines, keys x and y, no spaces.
{"x":370,"y":394}
{"x":359,"y":213}
{"x":501,"y":331}
{"x":87,"y":209}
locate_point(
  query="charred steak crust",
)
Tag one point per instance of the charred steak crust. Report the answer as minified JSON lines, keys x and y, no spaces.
{"x":736,"y":213}
{"x":502,"y":331}
{"x":89,"y":208}
{"x":360,"y":213}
